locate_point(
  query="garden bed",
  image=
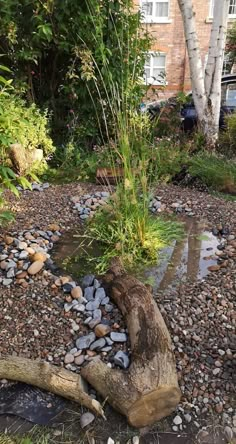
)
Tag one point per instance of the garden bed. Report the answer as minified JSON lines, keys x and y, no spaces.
{"x":199,"y":315}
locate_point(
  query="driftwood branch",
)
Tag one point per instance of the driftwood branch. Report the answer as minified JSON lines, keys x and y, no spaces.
{"x":49,"y":377}
{"x":148,"y":390}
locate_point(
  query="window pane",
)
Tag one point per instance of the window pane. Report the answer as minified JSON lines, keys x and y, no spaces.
{"x":158,"y":73}
{"x":147,"y":8}
{"x":232,"y":7}
{"x":231,"y":96}
{"x":161,"y":9}
{"x":148,"y":61}
{"x":147,"y":73}
{"x":159,"y":61}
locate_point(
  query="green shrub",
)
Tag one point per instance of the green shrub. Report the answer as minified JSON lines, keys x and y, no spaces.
{"x":167,"y":159}
{"x":215,"y":171}
{"x":23,"y":124}
{"x":227,"y":138}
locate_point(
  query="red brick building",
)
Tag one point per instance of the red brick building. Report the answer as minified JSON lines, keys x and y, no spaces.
{"x":168,"y":62}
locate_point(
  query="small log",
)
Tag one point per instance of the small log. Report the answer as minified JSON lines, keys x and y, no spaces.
{"x":148,"y":390}
{"x":49,"y":377}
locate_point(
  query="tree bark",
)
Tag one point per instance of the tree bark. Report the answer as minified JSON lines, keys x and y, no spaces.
{"x":148,"y":390}
{"x":206,"y":85}
{"x":49,"y":377}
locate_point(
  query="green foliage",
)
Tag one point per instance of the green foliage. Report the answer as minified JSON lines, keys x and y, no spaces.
{"x":168,"y":158}
{"x":56,"y":48}
{"x":23,"y":124}
{"x":231,"y":45}
{"x":215,"y":171}
{"x":227,"y":139}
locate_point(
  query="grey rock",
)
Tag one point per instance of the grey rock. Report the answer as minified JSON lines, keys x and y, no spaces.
{"x":80,"y":308}
{"x":79,"y":360}
{"x":11,"y":273}
{"x":100,"y":294}
{"x":97,"y":345}
{"x":6,"y":282}
{"x":23,"y":255}
{"x":45,"y":185}
{"x":84,"y":216}
{"x":188,"y":418}
{"x":118,"y":337}
{"x":106,"y":349}
{"x":105,"y":301}
{"x":86,"y":419}
{"x":105,"y":194}
{"x":87,"y":320}
{"x":108,"y":308}
{"x":88,"y":293}
{"x":96,"y":284}
{"x":97,"y":314}
{"x":85,"y":341}
{"x":87,"y":281}
{"x":109,"y":341}
{"x":228,"y":433}
{"x":93,"y":305}
{"x":68,"y":307}
{"x":3,"y":257}
{"x":10,"y":264}
{"x":177,"y":420}
{"x":122,"y":359}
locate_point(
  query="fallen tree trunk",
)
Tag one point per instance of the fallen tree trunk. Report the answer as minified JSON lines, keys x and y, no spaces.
{"x":49,"y":377}
{"x":148,"y":390}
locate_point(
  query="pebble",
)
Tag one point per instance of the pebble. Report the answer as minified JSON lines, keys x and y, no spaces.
{"x":35,"y":267}
{"x":97,"y":345}
{"x":69,"y":358}
{"x":121,"y":359}
{"x":88,"y":293}
{"x":92,"y":305}
{"x":85,"y":341}
{"x":79,"y":360}
{"x":87,"y":281}
{"x":118,"y":337}
{"x":77,"y":293}
{"x":102,"y":330}
{"x":177,"y":420}
{"x":86,"y":419}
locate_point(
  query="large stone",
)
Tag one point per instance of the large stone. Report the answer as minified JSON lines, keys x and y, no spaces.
{"x":77,"y":293}
{"x":93,"y":305}
{"x":35,"y":267}
{"x":86,"y":419}
{"x":102,"y":330}
{"x":100,"y":294}
{"x":97,"y":345}
{"x":118,"y":337}
{"x":88,"y":293}
{"x":39,"y":257}
{"x":85,"y":341}
{"x":121,"y":359}
{"x":87,"y":281}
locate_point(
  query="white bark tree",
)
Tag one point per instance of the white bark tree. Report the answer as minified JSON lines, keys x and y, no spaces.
{"x":206,"y":83}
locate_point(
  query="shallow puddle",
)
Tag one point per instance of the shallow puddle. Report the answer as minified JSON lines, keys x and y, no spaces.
{"x":188,"y":258}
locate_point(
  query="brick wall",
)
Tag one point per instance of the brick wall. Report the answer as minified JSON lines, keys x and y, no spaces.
{"x":169,"y":38}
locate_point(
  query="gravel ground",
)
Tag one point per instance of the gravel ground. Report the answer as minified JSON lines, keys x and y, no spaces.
{"x":200,"y":316}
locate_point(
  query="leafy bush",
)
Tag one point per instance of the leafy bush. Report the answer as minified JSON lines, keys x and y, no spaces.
{"x":227,"y":138}
{"x":23,"y":124}
{"x":215,"y":171}
{"x":167,"y":159}
{"x":55,"y":55}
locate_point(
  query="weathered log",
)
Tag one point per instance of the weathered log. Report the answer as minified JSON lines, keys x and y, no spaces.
{"x":148,"y":390}
{"x":49,"y":377}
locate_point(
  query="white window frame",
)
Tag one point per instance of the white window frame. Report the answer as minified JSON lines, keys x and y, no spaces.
{"x":152,"y":18}
{"x":150,"y":80}
{"x":231,"y":16}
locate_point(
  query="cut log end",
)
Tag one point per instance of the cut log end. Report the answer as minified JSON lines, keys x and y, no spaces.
{"x":154,"y":406}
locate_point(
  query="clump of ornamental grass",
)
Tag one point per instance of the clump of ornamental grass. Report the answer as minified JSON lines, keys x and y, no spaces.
{"x":125,"y":227}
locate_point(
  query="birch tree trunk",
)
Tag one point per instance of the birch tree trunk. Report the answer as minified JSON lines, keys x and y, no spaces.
{"x":206,"y":84}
